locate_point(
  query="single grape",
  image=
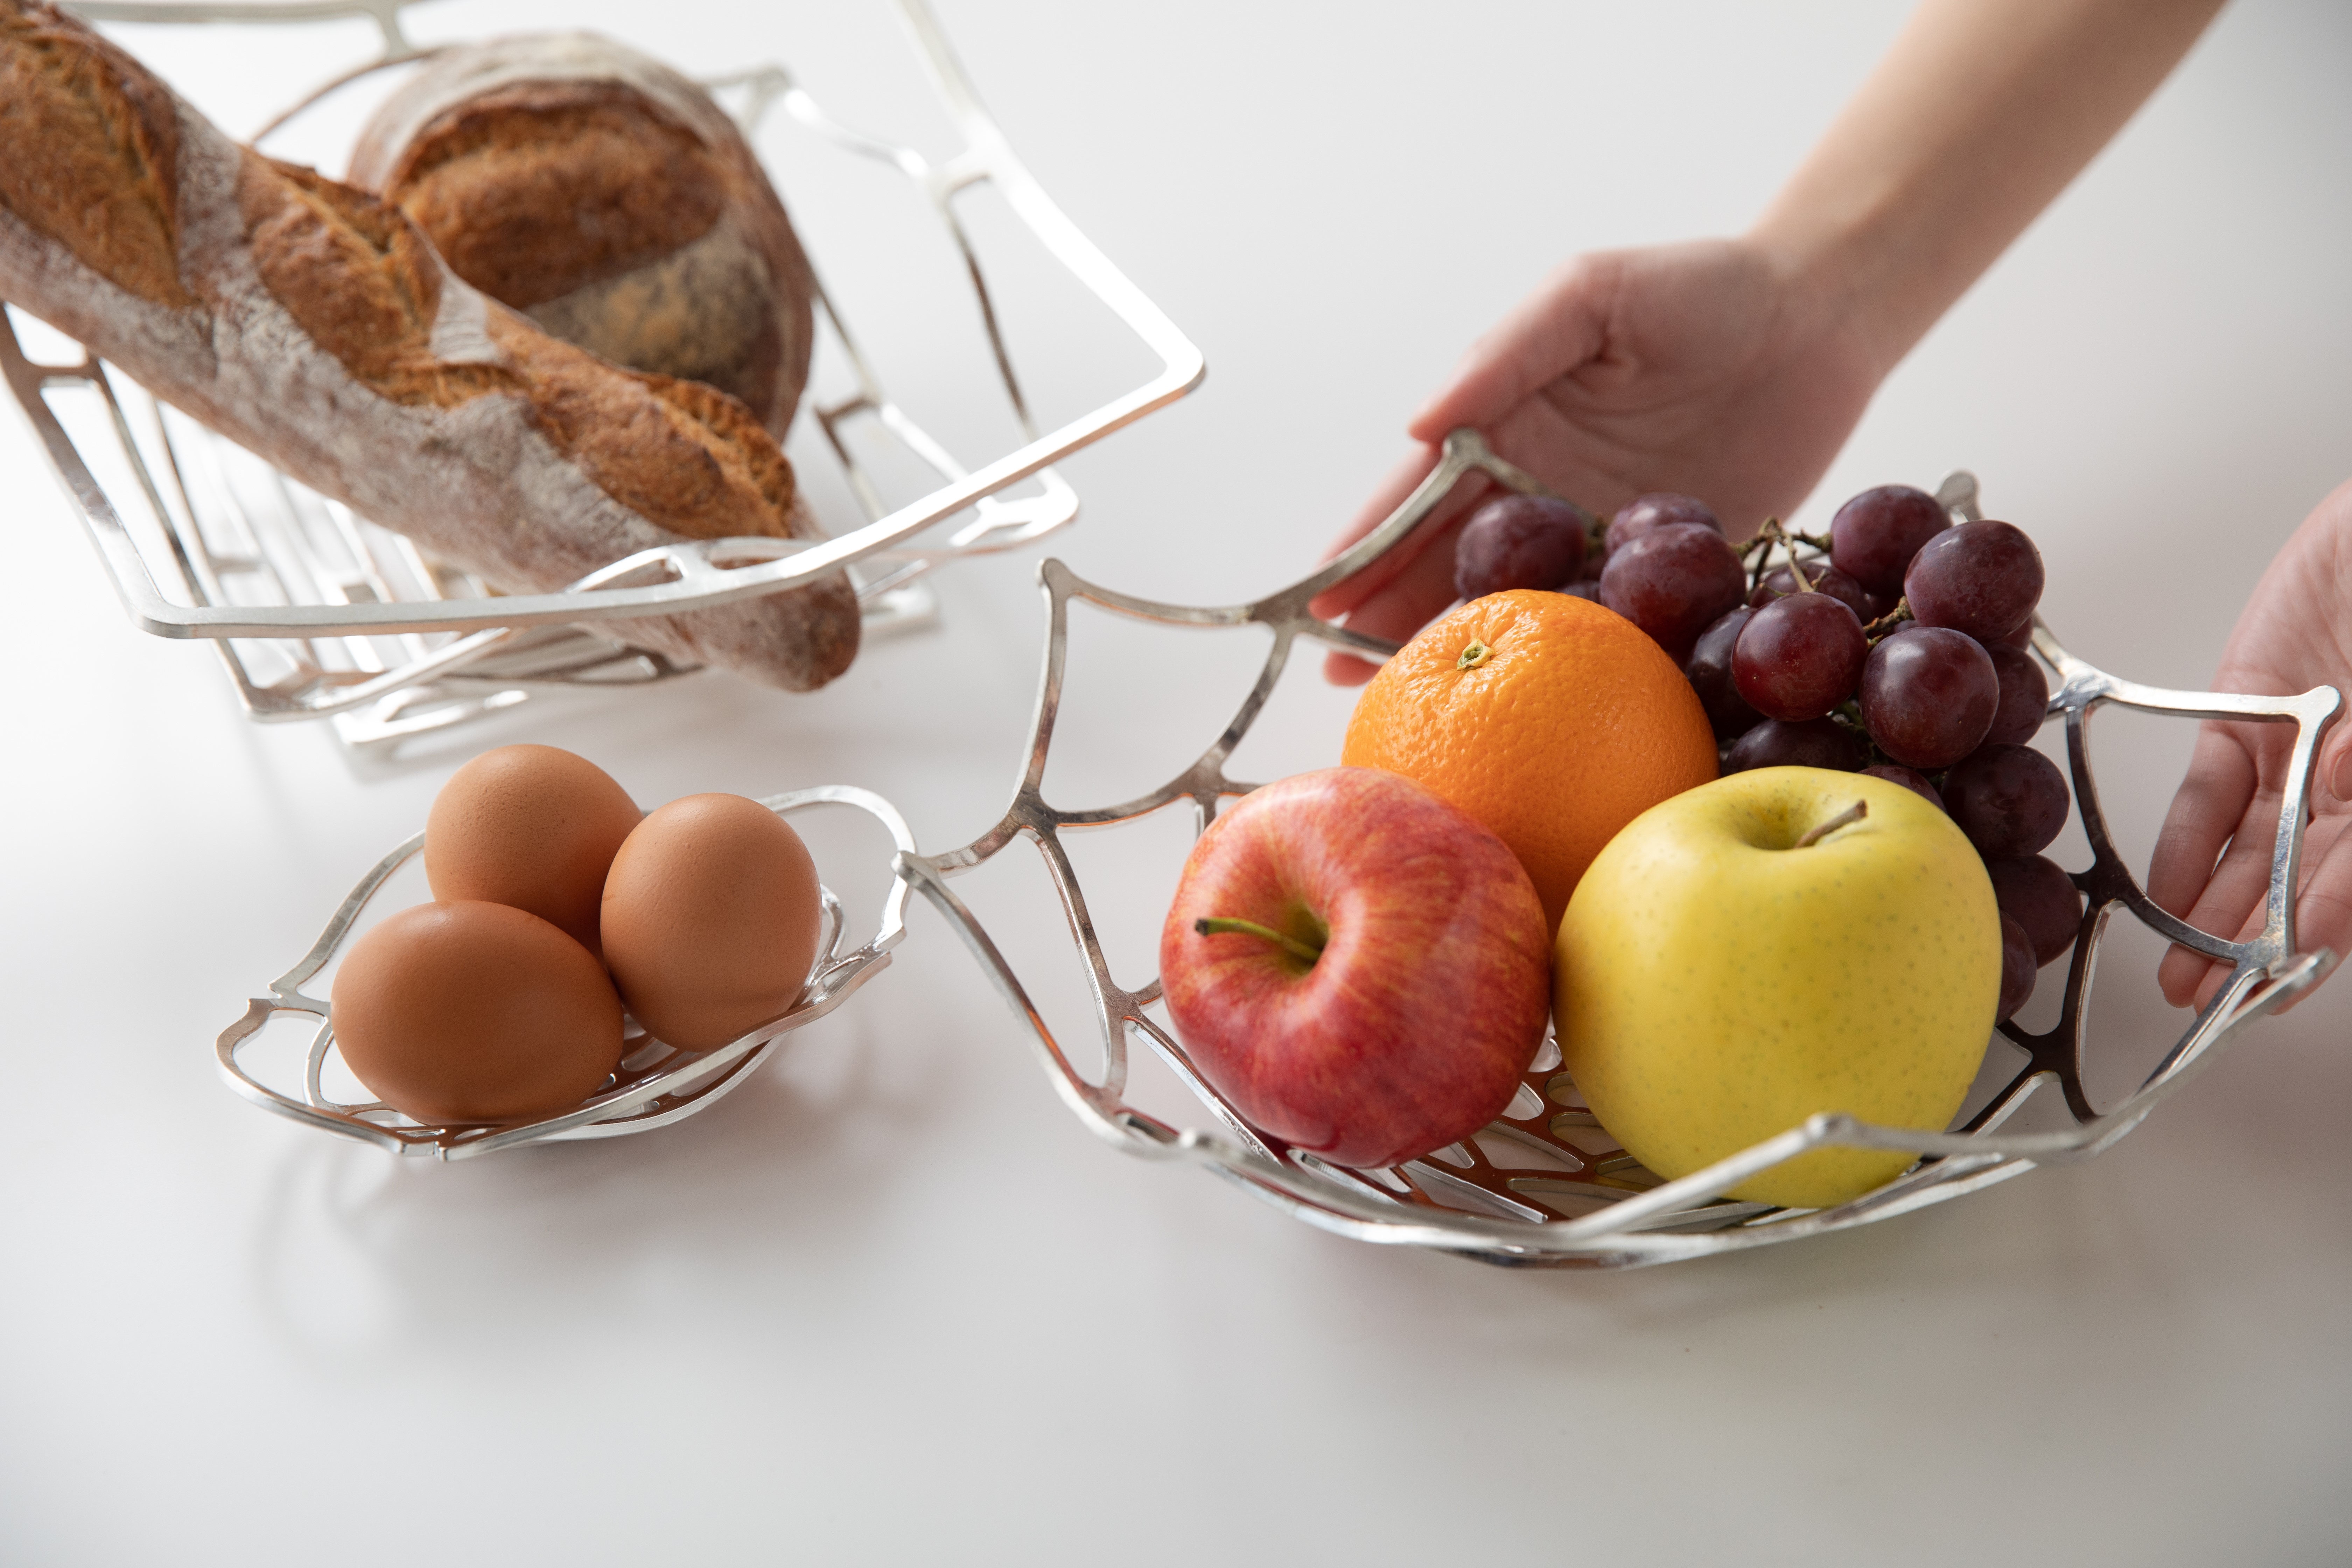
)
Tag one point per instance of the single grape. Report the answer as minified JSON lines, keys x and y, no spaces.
{"x":1779,"y":583}
{"x":1674,"y":583}
{"x":2009,"y":800}
{"x":1874,"y":536}
{"x":1798,"y":657}
{"x":2022,"y":637}
{"x":2033,"y":891}
{"x":2017,"y":968}
{"x":1708,"y":669}
{"x":1582,"y":588}
{"x":1644,"y":513}
{"x":1518,"y":541}
{"x":2024,"y":695}
{"x":1910,"y":779}
{"x":1928,"y":696}
{"x":1815,"y":743}
{"x":1880,"y":606}
{"x":1981,"y":578}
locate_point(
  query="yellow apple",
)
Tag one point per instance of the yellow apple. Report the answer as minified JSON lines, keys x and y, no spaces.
{"x":1718,"y":981}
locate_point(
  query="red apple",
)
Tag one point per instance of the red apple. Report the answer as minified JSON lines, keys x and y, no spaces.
{"x":1359,"y":967}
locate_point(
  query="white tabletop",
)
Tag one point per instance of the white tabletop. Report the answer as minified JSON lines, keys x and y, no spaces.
{"x":890,"y":1303}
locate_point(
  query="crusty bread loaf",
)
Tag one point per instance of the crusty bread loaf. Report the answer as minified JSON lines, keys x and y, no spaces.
{"x":609,"y":199}
{"x":312,"y":323}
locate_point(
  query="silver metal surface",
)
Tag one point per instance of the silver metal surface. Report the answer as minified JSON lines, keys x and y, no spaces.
{"x":655,"y":1085}
{"x":1459,"y":1200}
{"x":319,"y":613}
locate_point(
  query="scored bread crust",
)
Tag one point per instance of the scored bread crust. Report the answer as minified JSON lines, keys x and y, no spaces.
{"x":607,"y":197}
{"x":313,"y":323}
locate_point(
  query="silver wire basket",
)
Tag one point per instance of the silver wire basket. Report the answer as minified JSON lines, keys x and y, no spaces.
{"x":318,"y":613}
{"x":1461,"y":1199}
{"x":655,"y":1085}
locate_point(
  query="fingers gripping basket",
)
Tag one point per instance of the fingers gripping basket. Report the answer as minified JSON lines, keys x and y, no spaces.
{"x":1459,"y":1199}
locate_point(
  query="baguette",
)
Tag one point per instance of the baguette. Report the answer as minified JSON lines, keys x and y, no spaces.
{"x":312,"y":323}
{"x":610,"y":200}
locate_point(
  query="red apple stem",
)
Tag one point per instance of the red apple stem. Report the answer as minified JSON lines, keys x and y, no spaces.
{"x":1846,"y":819}
{"x":1289,"y":944}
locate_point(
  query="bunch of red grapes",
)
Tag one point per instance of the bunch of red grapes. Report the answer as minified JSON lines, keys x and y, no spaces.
{"x":1895,"y":646}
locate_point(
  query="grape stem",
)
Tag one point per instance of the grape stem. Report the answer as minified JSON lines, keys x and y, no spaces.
{"x":1846,"y":819}
{"x":1773,"y":533}
{"x":1816,"y":541}
{"x":1888,"y":624}
{"x":1289,"y":944}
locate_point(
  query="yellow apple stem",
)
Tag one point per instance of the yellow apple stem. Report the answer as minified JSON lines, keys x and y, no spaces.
{"x":1289,"y":944}
{"x":1846,"y":819}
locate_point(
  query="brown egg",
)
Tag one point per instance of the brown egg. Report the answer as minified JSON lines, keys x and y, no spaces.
{"x":474,"y":1011}
{"x":711,"y":918}
{"x":531,"y":826}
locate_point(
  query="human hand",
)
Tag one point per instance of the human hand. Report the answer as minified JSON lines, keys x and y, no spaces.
{"x":1714,"y":369}
{"x":2295,"y":633}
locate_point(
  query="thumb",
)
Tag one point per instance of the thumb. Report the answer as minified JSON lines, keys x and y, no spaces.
{"x":1556,"y":328}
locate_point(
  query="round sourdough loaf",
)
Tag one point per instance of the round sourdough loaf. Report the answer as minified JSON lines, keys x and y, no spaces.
{"x":608,"y":198}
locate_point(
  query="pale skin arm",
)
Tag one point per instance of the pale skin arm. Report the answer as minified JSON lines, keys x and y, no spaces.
{"x":1733,"y":370}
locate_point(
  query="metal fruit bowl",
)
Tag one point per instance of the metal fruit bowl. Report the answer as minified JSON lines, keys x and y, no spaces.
{"x":1459,"y":1199}
{"x":318,"y":613}
{"x":655,"y":1085}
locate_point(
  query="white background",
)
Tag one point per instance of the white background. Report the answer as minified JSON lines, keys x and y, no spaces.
{"x":888,"y":1303}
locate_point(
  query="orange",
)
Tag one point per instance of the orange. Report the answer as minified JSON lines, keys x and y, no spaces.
{"x":1552,"y":720}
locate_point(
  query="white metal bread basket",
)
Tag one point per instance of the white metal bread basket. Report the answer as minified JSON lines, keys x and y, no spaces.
{"x":321,"y":614}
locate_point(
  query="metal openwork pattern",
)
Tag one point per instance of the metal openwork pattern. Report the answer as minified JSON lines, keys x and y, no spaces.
{"x":1459,"y":1199}
{"x":654,"y":1086}
{"x":318,"y":613}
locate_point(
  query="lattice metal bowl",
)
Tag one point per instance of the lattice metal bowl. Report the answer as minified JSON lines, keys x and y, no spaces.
{"x":655,"y":1085}
{"x":1459,"y":1199}
{"x":321,"y":614}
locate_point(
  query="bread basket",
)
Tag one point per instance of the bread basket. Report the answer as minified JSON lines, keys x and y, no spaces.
{"x":319,"y":614}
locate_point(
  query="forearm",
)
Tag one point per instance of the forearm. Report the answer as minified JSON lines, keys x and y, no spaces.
{"x":1978,"y":116}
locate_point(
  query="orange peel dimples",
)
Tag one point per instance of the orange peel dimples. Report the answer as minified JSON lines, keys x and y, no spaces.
{"x":1552,"y":720}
